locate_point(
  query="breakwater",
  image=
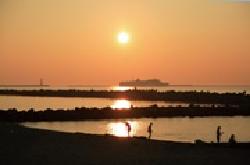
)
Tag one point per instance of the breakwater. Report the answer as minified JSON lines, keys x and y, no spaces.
{"x":84,"y":113}
{"x":147,"y":95}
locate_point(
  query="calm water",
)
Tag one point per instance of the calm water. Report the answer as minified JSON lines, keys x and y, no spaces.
{"x":177,"y":129}
{"x":41,"y":103}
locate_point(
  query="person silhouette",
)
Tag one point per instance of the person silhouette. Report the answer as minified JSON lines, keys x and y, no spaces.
{"x":219,"y":134}
{"x":232,"y":139}
{"x":128,"y":125}
{"x":150,"y":130}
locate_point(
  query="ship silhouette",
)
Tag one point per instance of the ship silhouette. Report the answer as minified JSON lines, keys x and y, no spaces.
{"x":144,"y":83}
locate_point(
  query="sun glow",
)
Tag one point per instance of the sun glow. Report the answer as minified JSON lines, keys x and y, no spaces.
{"x":121,"y":88}
{"x":120,"y":104}
{"x":123,"y":37}
{"x":120,"y":129}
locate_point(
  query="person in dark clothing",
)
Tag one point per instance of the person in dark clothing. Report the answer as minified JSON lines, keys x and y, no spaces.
{"x":150,"y":130}
{"x":219,"y":134}
{"x":232,"y":139}
{"x":128,"y":127}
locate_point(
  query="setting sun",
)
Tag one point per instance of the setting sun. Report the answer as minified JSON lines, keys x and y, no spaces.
{"x":123,"y":37}
{"x":124,"y":82}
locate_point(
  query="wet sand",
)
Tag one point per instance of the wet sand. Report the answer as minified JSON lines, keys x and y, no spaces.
{"x":20,"y":145}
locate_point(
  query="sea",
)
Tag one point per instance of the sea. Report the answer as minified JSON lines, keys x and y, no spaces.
{"x":182,"y":129}
{"x":41,"y":103}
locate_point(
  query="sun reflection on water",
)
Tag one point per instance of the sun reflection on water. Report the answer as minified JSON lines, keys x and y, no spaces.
{"x":118,"y":104}
{"x":120,"y":129}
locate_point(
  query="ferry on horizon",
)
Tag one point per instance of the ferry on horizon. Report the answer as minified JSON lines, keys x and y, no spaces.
{"x":144,"y":83}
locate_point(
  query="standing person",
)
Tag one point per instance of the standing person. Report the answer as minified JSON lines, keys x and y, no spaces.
{"x":150,"y":130}
{"x":219,"y":134}
{"x":128,"y":127}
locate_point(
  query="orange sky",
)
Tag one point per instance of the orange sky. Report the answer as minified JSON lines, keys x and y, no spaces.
{"x":74,"y":41}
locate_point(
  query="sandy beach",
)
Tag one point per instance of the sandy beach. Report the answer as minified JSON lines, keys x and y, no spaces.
{"x":20,"y":145}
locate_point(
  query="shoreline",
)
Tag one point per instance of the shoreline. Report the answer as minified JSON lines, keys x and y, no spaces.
{"x":23,"y":145}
